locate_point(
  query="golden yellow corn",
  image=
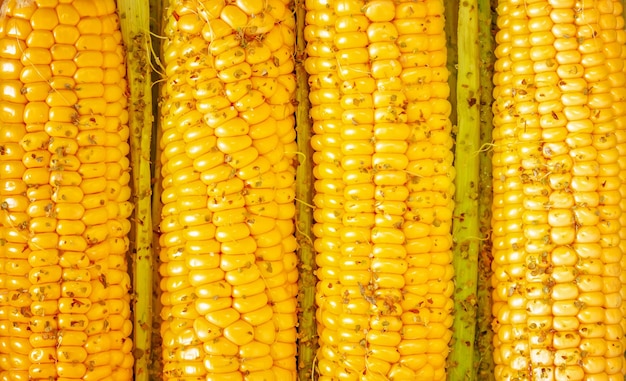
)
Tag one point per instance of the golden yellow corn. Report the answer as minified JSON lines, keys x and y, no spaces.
{"x":383,"y":170}
{"x":64,"y":286}
{"x":558,"y":138}
{"x":229,"y":275}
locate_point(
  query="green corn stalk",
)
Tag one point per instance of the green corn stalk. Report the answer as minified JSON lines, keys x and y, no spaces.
{"x":156,"y":28}
{"x":483,"y":356}
{"x":452,"y":16}
{"x":307,"y":344}
{"x":135,"y":25}
{"x":465,"y":227}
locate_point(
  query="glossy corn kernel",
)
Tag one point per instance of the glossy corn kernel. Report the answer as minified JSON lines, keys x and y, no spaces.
{"x":558,"y":158}
{"x":64,"y":194}
{"x":229,"y":276}
{"x":383,"y":170}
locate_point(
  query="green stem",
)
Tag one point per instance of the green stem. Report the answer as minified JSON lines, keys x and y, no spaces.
{"x":156,"y":27}
{"x":465,"y":227}
{"x":135,"y":24}
{"x":452,"y":16}
{"x":483,"y":357}
{"x":307,"y":344}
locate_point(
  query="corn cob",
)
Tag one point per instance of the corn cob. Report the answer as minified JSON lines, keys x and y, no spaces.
{"x":556,"y":216}
{"x":64,"y":287}
{"x":383,"y":188}
{"x":229,"y":275}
